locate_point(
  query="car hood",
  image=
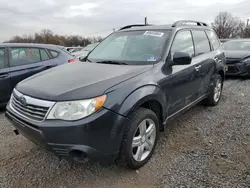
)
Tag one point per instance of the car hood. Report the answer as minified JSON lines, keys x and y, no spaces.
{"x":237,"y":54}
{"x":76,"y":81}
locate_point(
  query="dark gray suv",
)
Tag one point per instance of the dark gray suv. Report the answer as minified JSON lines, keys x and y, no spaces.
{"x":113,"y":106}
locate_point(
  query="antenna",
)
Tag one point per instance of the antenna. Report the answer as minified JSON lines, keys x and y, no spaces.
{"x":146,"y":21}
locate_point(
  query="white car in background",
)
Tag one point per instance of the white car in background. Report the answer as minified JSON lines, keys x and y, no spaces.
{"x":73,"y":49}
{"x":85,"y":51}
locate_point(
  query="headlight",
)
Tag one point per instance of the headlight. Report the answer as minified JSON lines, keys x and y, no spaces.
{"x":75,"y":110}
{"x":247,"y":60}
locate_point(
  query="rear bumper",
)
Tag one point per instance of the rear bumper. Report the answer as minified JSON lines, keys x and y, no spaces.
{"x":97,"y":136}
{"x":238,"y":69}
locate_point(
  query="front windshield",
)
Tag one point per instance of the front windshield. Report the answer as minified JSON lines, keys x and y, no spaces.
{"x":132,"y":47}
{"x":237,"y":45}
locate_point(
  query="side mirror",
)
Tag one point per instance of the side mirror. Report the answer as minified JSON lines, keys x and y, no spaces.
{"x":181,"y":58}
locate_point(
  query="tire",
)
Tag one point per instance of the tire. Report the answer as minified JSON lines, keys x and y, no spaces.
{"x":135,"y":156}
{"x":212,"y":100}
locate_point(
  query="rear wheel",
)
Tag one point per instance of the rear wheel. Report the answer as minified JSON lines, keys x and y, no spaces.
{"x":215,"y":92}
{"x":140,"y":139}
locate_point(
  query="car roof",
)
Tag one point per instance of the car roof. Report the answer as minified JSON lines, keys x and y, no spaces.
{"x":164,"y":27}
{"x":48,"y":46}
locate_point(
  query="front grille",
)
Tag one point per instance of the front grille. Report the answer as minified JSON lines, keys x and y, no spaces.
{"x":16,"y":119}
{"x":33,"y":109}
{"x":233,"y":69}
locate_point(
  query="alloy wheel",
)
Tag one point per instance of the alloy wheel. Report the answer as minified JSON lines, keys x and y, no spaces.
{"x":144,"y":140}
{"x":217,"y":90}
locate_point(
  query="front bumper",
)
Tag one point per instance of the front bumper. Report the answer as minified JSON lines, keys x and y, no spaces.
{"x":98,"y":136}
{"x":238,"y":69}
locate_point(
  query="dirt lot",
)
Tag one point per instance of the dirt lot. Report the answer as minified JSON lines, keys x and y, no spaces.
{"x":206,"y":147}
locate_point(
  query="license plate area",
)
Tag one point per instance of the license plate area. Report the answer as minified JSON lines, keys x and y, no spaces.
{"x":30,"y":133}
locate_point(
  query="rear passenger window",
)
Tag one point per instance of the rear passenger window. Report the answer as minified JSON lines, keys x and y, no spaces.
{"x":213,"y":39}
{"x":44,"y":55}
{"x":201,"y":42}
{"x":183,"y":43}
{"x":24,"y":56}
{"x":1,"y":58}
{"x":54,"y":53}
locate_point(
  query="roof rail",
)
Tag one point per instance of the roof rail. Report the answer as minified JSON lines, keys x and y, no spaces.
{"x":184,"y":22}
{"x":130,"y":26}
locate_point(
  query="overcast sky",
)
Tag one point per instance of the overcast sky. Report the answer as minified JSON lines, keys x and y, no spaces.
{"x":98,"y":17}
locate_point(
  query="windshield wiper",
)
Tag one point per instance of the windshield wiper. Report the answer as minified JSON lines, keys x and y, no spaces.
{"x":112,"y":62}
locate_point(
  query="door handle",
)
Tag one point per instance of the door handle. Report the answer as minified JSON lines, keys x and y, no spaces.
{"x":197,"y":68}
{"x":4,"y":75}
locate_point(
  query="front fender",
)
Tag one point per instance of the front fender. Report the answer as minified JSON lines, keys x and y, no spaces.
{"x":142,"y":95}
{"x":123,"y":103}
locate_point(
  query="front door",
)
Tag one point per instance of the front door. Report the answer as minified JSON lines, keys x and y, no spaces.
{"x":181,"y":84}
{"x":5,"y":86}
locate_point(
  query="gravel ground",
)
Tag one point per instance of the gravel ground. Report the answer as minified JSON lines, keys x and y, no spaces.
{"x":205,"y":147}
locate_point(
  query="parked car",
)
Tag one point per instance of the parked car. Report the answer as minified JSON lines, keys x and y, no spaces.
{"x":238,"y":57}
{"x":85,"y":51}
{"x":73,"y":49}
{"x":224,"y":40}
{"x":19,"y":61}
{"x":113,"y":106}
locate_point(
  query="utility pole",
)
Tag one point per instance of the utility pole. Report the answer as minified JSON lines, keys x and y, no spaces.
{"x":146,"y":21}
{"x":247,"y":22}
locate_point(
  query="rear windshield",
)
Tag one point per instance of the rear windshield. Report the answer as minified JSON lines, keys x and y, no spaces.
{"x":64,"y":50}
{"x":132,"y":47}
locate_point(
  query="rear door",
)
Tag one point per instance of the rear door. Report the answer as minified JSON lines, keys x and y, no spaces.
{"x":205,"y":60}
{"x":5,"y":86}
{"x":45,"y":63}
{"x":23,"y":62}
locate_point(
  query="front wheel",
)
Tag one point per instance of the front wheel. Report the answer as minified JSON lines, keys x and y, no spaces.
{"x":140,"y":139}
{"x":215,"y":92}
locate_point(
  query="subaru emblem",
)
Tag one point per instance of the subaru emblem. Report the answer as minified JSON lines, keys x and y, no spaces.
{"x":23,"y":101}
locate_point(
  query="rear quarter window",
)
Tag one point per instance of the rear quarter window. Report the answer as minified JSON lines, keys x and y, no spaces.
{"x":54,"y":53}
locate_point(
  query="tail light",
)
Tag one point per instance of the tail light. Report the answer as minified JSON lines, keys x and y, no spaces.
{"x":72,"y":60}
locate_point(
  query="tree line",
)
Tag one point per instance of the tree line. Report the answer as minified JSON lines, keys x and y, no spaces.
{"x":228,"y":26}
{"x":225,"y":25}
{"x":48,"y":37}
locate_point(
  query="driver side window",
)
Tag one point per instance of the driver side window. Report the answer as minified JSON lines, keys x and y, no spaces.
{"x":183,"y":42}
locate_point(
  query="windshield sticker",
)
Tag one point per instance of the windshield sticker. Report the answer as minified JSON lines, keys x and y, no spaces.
{"x":154,"y":33}
{"x":152,"y":59}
